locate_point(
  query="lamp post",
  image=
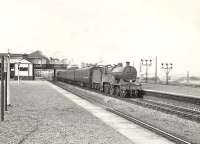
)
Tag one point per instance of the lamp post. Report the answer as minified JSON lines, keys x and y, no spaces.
{"x":6,"y":82}
{"x":8,"y":79}
{"x":146,"y":63}
{"x":167,"y":67}
{"x":2,"y":88}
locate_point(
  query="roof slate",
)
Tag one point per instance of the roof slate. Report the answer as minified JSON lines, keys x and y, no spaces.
{"x":36,"y":54}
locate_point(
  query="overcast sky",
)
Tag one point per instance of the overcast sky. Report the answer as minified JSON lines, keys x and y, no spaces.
{"x":111,"y":30}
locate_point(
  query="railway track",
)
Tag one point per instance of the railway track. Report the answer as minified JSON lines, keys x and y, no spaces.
{"x":93,"y":100}
{"x":182,"y":112}
{"x":172,"y":109}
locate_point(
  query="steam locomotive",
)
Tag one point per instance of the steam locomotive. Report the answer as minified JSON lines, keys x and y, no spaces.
{"x":118,"y":80}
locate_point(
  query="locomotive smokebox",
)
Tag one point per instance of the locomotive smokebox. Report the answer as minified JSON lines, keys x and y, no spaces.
{"x":126,"y":73}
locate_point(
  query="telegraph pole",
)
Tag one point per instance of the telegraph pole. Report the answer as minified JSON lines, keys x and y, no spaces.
{"x":167,"y":67}
{"x":140,"y":80}
{"x":156,"y":71}
{"x":146,"y":63}
{"x":188,"y":77}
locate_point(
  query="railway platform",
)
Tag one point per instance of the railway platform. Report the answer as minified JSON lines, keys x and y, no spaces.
{"x":173,"y":89}
{"x":44,"y":113}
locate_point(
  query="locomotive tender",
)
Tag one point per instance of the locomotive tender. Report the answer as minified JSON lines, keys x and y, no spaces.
{"x":116,"y":80}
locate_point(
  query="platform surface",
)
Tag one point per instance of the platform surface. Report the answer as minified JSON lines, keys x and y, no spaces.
{"x":42,"y":113}
{"x":173,"y":89}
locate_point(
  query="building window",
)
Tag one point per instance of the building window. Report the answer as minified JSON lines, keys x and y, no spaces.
{"x":23,"y":68}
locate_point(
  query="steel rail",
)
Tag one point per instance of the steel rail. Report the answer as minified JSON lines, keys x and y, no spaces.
{"x":180,"y":111}
{"x":127,"y":117}
{"x":150,"y":127}
{"x":176,"y":107}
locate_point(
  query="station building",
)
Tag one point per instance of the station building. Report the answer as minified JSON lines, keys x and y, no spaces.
{"x":23,"y":69}
{"x":33,"y":65}
{"x":22,"y":65}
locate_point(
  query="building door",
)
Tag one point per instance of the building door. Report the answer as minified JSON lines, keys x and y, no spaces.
{"x":12,"y":70}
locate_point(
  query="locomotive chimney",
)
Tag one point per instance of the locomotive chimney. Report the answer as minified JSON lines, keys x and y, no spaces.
{"x":127,"y":63}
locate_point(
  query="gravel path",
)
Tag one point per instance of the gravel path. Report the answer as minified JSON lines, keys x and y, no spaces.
{"x":40,"y":115}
